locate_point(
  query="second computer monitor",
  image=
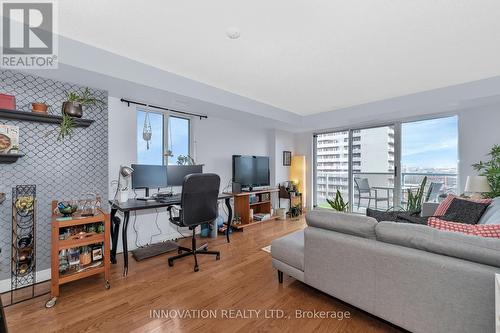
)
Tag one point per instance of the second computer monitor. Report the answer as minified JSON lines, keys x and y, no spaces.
{"x":176,"y":173}
{"x":149,"y":176}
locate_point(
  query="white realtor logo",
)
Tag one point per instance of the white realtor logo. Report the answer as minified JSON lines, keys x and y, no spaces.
{"x":17,"y":28}
{"x":27,"y":35}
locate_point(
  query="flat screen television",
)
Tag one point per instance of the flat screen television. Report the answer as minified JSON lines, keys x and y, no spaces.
{"x":251,"y":171}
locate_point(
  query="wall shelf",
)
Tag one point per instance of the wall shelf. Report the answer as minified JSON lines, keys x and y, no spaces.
{"x":9,"y":158}
{"x":40,"y":118}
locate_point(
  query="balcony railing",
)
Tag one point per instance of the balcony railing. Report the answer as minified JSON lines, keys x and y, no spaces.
{"x":328,"y":182}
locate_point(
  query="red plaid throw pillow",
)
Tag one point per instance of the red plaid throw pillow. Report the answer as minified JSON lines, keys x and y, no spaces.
{"x":483,"y":230}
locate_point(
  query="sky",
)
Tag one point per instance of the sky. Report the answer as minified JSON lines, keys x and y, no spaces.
{"x":179,"y":137}
{"x":430,"y":143}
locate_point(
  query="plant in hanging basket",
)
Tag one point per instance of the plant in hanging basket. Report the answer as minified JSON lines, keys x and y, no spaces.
{"x":73,"y":108}
{"x":66,"y":127}
{"x":75,"y":102}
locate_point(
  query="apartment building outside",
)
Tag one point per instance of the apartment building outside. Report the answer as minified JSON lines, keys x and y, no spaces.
{"x":372,"y":157}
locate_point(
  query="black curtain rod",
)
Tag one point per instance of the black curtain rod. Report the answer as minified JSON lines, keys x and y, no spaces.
{"x":162,"y":108}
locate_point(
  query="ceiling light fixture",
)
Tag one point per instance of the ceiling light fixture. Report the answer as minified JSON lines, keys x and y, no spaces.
{"x":233,"y":32}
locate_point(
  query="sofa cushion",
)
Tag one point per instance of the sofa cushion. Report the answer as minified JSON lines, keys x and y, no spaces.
{"x":465,"y":211}
{"x":453,"y":244}
{"x":352,"y":224}
{"x":289,"y":249}
{"x":492,"y":214}
{"x":445,"y":204}
{"x":482,"y":230}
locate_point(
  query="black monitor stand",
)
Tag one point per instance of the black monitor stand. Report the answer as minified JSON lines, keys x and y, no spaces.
{"x":146,"y":198}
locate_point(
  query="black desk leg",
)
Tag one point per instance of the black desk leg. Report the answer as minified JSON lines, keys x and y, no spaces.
{"x":115,"y":225}
{"x":229,"y":217}
{"x":126,"y":216}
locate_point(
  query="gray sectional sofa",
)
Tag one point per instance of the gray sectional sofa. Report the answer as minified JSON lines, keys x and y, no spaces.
{"x":419,"y":278}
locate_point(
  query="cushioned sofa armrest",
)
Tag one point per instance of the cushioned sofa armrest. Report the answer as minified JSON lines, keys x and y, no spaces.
{"x":357,"y":225}
{"x":453,"y":244}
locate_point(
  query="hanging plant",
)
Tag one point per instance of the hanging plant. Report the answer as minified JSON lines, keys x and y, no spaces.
{"x":66,"y":127}
{"x":146,"y":131}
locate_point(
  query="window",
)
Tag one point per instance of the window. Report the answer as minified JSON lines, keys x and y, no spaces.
{"x":178,"y":138}
{"x":168,"y":134}
{"x":394,"y":158}
{"x":151,"y":153}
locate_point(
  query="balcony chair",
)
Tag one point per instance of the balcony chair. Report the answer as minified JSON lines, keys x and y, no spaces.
{"x":198,"y":206}
{"x":370,"y":193}
{"x":433,"y":192}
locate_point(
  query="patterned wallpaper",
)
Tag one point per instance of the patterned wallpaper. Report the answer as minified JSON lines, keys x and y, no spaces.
{"x":60,"y":169}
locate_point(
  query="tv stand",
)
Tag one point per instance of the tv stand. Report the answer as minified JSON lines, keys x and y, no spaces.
{"x":242,"y":206}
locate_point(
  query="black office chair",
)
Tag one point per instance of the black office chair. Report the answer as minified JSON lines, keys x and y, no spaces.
{"x":198,"y":206}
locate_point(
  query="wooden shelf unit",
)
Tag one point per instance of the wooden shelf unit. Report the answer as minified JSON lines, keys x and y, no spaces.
{"x":40,"y":117}
{"x":75,"y":241}
{"x":242,"y":206}
{"x":9,"y":158}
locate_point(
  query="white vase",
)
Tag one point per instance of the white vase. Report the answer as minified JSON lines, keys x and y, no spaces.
{"x":123,"y":196}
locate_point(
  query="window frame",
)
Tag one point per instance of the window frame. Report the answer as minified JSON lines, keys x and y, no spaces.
{"x":165,"y":140}
{"x":397,"y":123}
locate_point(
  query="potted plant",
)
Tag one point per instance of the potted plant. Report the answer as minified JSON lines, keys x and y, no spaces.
{"x":338,"y":203}
{"x":75,"y":102}
{"x":39,"y":107}
{"x":185,"y":160}
{"x":414,"y":204}
{"x":491,"y":169}
{"x":73,"y":108}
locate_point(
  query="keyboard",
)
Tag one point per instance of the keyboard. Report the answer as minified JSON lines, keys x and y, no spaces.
{"x":169,"y":199}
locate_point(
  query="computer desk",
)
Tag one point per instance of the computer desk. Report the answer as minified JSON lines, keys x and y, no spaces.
{"x":135,"y":205}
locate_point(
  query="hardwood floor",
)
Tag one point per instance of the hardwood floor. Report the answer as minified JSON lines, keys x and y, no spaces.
{"x":242,"y":280}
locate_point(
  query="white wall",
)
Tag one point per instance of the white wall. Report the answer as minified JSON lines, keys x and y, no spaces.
{"x":284,"y":141}
{"x":215,"y":141}
{"x":479,"y":130}
{"x":303,"y":143}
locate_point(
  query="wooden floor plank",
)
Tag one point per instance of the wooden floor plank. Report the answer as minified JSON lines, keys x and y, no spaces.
{"x":242,"y":280}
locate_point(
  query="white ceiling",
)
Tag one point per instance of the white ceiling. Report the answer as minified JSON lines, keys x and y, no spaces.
{"x":301,"y":56}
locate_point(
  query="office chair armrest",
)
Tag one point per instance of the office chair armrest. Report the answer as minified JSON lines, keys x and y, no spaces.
{"x":176,"y":211}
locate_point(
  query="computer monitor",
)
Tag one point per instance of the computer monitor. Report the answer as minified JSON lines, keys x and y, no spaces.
{"x":149,"y":176}
{"x":176,"y":173}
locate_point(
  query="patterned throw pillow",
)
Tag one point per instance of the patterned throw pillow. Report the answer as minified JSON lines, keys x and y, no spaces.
{"x":483,"y":230}
{"x":445,"y":204}
{"x":465,"y":211}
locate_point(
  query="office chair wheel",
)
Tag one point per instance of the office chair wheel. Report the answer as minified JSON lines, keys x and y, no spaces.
{"x":217,"y":257}
{"x":51,"y":302}
{"x":107,"y":285}
{"x":196,"y":269}
{"x":170,"y":263}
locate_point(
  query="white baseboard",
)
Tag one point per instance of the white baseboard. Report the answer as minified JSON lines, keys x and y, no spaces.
{"x":44,"y":275}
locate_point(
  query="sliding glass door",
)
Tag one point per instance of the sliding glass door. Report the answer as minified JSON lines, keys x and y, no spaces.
{"x":373,"y":164}
{"x":376,"y":167}
{"x":430,"y":149}
{"x":331,"y":166}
